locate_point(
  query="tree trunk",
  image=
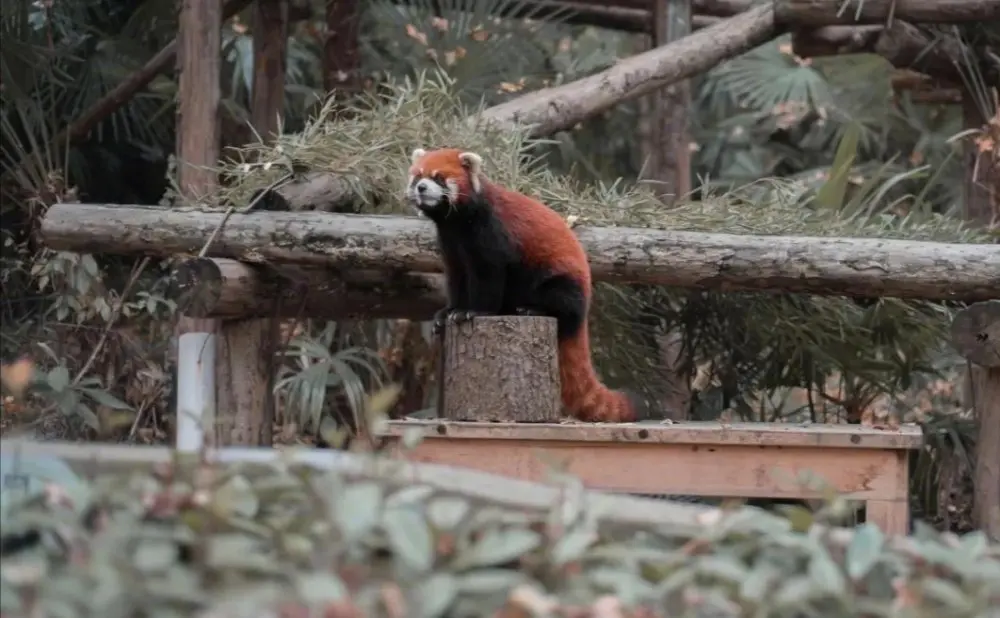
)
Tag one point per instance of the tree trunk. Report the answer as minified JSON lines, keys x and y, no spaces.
{"x":860,"y":267}
{"x":501,"y":369}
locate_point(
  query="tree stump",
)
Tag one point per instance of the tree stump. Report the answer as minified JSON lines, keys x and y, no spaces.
{"x":502,"y":368}
{"x":976,"y":335}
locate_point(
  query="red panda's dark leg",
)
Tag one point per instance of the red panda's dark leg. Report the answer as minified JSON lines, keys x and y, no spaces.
{"x":564,"y":299}
{"x":456,"y":278}
{"x":487,"y":255}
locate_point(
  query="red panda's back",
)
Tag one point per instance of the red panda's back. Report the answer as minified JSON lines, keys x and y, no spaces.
{"x":543,"y":235}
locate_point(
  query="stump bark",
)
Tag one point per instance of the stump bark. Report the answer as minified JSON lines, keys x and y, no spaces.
{"x":502,"y":368}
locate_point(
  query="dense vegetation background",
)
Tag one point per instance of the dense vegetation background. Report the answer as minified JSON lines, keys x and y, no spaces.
{"x":766,"y":129}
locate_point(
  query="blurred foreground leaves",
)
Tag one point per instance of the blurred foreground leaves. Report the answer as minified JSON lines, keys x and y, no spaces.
{"x":201,"y":539}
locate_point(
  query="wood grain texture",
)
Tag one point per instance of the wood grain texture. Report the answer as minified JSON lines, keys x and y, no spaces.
{"x":975,"y":333}
{"x":863,"y":267}
{"x":227,"y":289}
{"x":692,"y":433}
{"x":985,"y":384}
{"x":501,"y":369}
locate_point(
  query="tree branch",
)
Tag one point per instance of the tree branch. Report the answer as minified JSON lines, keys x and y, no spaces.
{"x":903,"y":45}
{"x":828,"y":266}
{"x":556,"y":109}
{"x":811,"y":13}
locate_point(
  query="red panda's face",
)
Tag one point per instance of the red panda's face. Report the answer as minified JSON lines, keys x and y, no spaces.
{"x":440,"y":178}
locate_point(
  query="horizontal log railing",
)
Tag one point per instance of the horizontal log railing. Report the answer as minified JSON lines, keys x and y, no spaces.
{"x":354,"y":251}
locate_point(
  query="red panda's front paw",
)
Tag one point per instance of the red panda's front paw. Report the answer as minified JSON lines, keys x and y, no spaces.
{"x":460,"y":316}
{"x":528,"y":312}
{"x":441,"y":317}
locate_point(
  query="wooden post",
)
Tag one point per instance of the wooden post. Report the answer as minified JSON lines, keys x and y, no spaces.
{"x":671,"y":160}
{"x":341,"y":50}
{"x":199,"y":58}
{"x":976,"y":329}
{"x":245,"y":372}
{"x":501,"y":368}
{"x":976,"y":335}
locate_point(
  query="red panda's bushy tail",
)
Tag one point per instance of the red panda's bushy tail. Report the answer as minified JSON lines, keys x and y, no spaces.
{"x":583,"y":395}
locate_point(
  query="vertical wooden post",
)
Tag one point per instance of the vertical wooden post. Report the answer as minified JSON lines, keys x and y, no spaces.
{"x":892,"y":515}
{"x":975,"y":333}
{"x":198,"y":54}
{"x":270,"y":45}
{"x":976,"y":330}
{"x":341,"y":55}
{"x":665,"y":146}
{"x":247,"y":346}
{"x":672,"y":157}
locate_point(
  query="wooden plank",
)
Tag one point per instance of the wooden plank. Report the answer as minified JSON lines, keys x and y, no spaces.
{"x":670,"y":468}
{"x":694,"y":433}
{"x":514,"y":493}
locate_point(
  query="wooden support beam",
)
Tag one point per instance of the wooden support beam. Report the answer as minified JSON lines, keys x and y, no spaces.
{"x":976,"y":335}
{"x":862,"y":267}
{"x":247,"y":345}
{"x":749,"y":460}
{"x":200,"y":30}
{"x":501,"y":369}
{"x":669,"y":162}
{"x":811,"y":13}
{"x":341,"y":47}
{"x":227,"y":289}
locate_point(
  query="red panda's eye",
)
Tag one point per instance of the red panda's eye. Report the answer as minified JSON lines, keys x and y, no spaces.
{"x":438,"y":178}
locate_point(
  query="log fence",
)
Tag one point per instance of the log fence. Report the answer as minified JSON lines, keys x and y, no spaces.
{"x":301,"y":260}
{"x":237,"y":269}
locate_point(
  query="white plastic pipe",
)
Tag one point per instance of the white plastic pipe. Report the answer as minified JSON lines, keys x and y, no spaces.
{"x":195,"y":389}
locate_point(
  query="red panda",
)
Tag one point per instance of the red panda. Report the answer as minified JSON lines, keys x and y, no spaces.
{"x":505,"y":253}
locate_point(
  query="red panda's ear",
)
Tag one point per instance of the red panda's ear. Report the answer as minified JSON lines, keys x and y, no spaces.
{"x":474,"y":163}
{"x":471,"y":161}
{"x":416,"y":155}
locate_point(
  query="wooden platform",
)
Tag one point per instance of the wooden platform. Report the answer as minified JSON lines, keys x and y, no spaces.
{"x":751,"y":460}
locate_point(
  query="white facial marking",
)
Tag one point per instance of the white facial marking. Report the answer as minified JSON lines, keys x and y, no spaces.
{"x":425,"y":193}
{"x":452,"y":190}
{"x":411,"y":196}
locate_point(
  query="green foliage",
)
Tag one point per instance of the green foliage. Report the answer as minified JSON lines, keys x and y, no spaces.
{"x":488,"y":54}
{"x":320,"y":368}
{"x":758,"y":341}
{"x":195,"y":538}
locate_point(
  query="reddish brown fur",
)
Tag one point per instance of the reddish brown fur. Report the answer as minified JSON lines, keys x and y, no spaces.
{"x":545,"y":240}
